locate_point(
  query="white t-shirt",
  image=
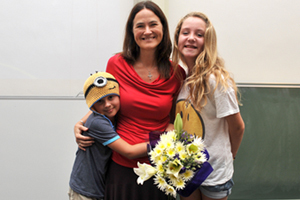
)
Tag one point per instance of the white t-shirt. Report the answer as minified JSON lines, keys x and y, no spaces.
{"x":216,"y":136}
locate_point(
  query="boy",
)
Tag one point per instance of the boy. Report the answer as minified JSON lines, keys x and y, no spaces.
{"x":101,"y":91}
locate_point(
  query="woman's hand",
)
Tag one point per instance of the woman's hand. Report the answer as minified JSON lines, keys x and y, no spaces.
{"x":81,"y":140}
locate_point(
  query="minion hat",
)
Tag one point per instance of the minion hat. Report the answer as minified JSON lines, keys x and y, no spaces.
{"x":99,"y":85}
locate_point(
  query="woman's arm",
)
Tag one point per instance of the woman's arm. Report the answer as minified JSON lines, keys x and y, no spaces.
{"x":81,"y":140}
{"x":127,"y":150}
{"x":236,"y":128}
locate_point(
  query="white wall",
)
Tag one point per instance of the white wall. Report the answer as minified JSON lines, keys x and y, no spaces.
{"x":259,"y":39}
{"x":38,"y":148}
{"x":48,"y":48}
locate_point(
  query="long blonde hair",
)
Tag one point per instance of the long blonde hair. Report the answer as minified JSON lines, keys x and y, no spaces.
{"x":208,"y":62}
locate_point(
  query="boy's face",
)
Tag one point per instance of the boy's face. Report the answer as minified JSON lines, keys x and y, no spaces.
{"x":108,"y":106}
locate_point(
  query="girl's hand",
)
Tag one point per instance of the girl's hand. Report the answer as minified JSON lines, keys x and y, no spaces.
{"x":81,"y":140}
{"x":170,"y":127}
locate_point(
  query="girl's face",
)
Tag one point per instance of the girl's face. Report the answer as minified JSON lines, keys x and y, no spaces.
{"x":191,"y":38}
{"x":147,"y":30}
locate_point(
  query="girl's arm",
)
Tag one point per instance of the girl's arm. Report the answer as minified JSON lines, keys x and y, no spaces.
{"x":127,"y":150}
{"x":81,"y":140}
{"x":236,"y":128}
{"x":170,"y":127}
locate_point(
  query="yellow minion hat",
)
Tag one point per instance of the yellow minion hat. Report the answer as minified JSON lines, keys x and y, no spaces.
{"x":99,"y":85}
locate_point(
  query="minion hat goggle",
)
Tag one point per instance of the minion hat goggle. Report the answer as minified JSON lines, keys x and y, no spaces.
{"x":99,"y":85}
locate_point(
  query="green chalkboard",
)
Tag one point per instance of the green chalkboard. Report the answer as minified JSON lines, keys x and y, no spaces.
{"x":268,"y":162}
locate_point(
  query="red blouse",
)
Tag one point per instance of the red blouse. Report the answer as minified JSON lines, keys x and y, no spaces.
{"x":145,"y":106}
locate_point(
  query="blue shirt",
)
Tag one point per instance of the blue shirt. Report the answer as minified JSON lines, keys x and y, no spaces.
{"x":90,"y":166}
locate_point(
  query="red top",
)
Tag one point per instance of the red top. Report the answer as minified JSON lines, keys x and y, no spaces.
{"x":145,"y":106}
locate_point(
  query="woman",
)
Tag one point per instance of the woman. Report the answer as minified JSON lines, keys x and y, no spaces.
{"x":148,"y":88}
{"x":213,"y":93}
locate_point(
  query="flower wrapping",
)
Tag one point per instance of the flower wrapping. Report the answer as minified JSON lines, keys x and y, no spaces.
{"x":178,"y":161}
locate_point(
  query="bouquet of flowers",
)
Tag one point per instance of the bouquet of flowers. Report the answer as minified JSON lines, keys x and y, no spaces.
{"x":176,"y":162}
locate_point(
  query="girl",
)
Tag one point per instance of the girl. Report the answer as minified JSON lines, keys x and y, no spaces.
{"x":212,"y":93}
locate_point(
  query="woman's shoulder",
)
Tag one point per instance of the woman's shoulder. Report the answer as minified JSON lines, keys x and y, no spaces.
{"x":115,"y":58}
{"x":115,"y":63}
{"x":179,"y":69}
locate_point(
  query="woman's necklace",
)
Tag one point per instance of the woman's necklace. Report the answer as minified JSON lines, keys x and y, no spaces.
{"x":149,"y":70}
{"x":149,"y":73}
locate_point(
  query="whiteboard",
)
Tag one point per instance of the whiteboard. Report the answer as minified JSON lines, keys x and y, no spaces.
{"x":49,"y":48}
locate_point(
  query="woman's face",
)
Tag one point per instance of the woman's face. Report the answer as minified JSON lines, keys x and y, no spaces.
{"x":147,"y":30}
{"x":191,"y":38}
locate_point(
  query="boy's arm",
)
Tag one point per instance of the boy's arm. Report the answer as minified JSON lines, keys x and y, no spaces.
{"x":102,"y":131}
{"x":127,"y":150}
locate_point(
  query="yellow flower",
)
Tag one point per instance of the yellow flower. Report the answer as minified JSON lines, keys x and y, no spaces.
{"x":199,"y":142}
{"x":179,"y":147}
{"x":160,"y":182}
{"x":163,"y":158}
{"x":188,"y":174}
{"x":166,"y":141}
{"x":170,"y":152}
{"x":169,"y":144}
{"x":201,"y":158}
{"x":192,"y":148}
{"x":154,"y":157}
{"x":158,"y":150}
{"x":144,"y":171}
{"x":168,"y":138}
{"x":179,"y":183}
{"x":160,"y":167}
{"x":171,"y":135}
{"x":163,"y":137}
{"x":170,"y":191}
{"x":172,"y":178}
{"x":174,"y":167}
{"x":183,"y":155}
{"x":161,"y":145}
